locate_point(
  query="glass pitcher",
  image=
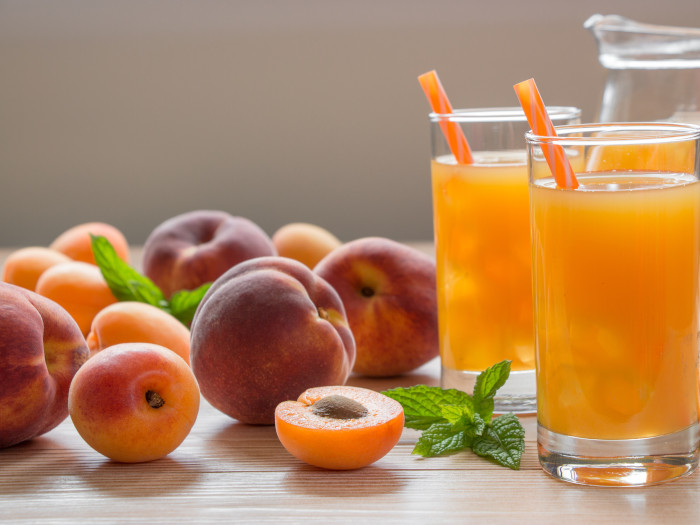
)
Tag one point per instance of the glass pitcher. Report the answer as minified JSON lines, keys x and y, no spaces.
{"x":653,"y":71}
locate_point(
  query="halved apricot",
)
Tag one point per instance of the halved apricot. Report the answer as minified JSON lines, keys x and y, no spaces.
{"x":339,"y":427}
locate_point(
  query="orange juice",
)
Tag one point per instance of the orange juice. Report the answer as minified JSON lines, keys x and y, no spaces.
{"x":616,"y":294}
{"x":481,"y":221}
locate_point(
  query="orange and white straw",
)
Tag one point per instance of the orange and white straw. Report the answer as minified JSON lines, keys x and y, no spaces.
{"x":439,"y":103}
{"x":541,"y":124}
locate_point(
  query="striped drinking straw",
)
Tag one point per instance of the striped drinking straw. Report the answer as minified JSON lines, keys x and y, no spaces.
{"x":440,"y":104}
{"x":541,"y":124}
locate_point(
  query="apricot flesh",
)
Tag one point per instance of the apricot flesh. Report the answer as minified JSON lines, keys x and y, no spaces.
{"x":339,"y":443}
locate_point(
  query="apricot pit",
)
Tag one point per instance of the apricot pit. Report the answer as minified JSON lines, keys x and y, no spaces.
{"x":339,"y":427}
{"x":336,"y":406}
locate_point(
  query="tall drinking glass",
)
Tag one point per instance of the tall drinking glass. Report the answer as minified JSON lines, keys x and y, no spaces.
{"x":482,"y":245}
{"x":615,"y":278}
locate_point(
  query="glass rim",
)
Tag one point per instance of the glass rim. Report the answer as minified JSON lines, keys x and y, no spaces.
{"x":502,"y":114}
{"x":610,"y":133}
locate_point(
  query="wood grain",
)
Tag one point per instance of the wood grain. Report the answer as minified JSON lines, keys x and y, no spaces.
{"x":227,"y":472}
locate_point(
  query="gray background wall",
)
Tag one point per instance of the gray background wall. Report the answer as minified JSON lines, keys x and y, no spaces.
{"x":132,"y":111}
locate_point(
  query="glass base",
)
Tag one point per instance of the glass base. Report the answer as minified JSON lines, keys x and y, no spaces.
{"x":618,"y":463}
{"x":518,"y":395}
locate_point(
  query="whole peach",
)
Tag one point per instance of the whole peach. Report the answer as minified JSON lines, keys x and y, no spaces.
{"x":23,"y":267}
{"x":76,"y":242}
{"x":134,"y":402}
{"x":194,"y":248}
{"x":267,"y":330}
{"x":134,"y":322}
{"x":307,"y":243}
{"x":41,"y":349}
{"x":389,"y":293}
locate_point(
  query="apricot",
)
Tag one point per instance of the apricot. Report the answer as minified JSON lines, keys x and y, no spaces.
{"x":79,"y":288}
{"x":76,"y":242}
{"x":339,"y":427}
{"x":24,"y":266}
{"x":134,"y":402}
{"x":134,"y":322}
{"x":306,"y":243}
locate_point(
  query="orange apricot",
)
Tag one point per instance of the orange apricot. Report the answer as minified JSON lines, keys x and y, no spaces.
{"x":134,"y":402}
{"x":339,"y":427}
{"x":79,"y":288}
{"x":306,"y":243}
{"x":134,"y":322}
{"x":24,"y":266}
{"x":77,"y":244}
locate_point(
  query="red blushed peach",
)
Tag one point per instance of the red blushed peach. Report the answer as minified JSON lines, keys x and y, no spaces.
{"x":41,"y":349}
{"x":389,"y":292}
{"x":195,"y":248}
{"x":134,"y":402}
{"x":267,"y":330}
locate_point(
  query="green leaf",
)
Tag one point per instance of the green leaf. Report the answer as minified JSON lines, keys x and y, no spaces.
{"x":125,"y":283}
{"x":452,"y":420}
{"x":183,"y":304}
{"x":503,"y":441}
{"x":457,"y":415}
{"x":487,"y":384}
{"x":476,"y":426}
{"x":441,"y":438}
{"x":422,"y":404}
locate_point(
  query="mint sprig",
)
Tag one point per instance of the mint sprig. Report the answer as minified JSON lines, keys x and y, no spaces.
{"x":452,"y":420}
{"x":127,"y":284}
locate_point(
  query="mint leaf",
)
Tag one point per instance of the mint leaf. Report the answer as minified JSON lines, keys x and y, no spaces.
{"x":487,"y":384}
{"x":504,"y":441}
{"x":476,"y":426}
{"x":422,"y":404}
{"x":125,"y":283}
{"x":129,"y":285}
{"x":457,"y":415}
{"x":183,"y":304}
{"x":452,"y":420}
{"x":439,"y":439}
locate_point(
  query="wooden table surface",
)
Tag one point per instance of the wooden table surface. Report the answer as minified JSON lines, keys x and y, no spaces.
{"x":228,"y":472}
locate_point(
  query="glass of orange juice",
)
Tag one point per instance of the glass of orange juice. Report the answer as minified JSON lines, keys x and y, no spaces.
{"x":616,"y":266}
{"x":481,"y":218}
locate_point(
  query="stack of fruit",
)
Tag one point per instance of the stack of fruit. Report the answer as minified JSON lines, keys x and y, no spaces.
{"x":260,"y":320}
